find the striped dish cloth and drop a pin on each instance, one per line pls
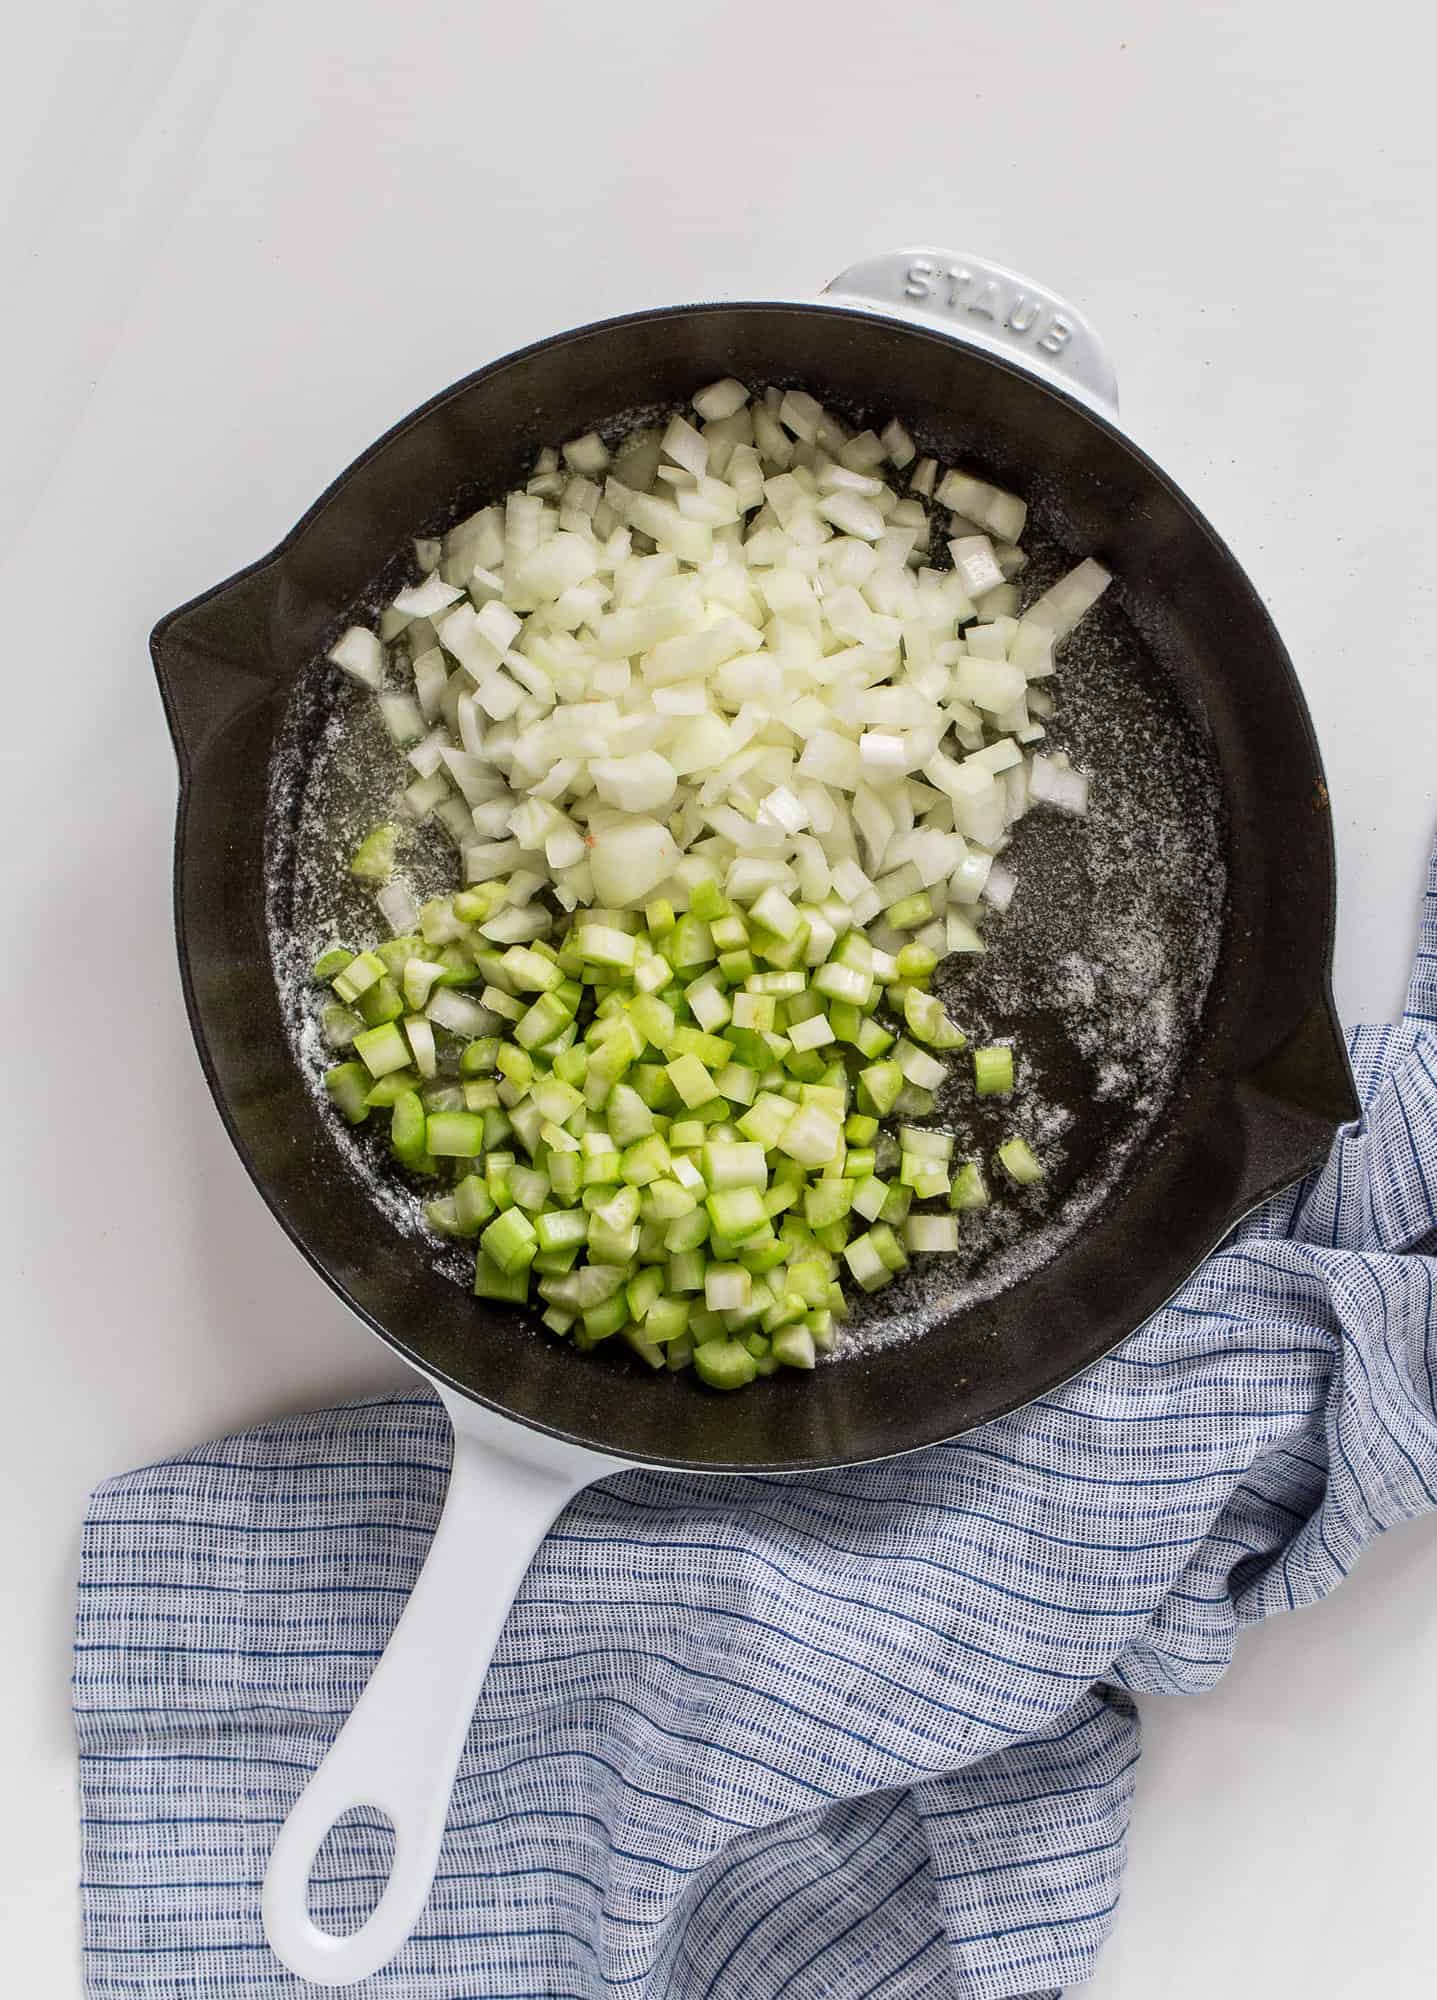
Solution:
(864, 1733)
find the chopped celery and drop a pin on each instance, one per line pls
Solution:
(382, 1049)
(1019, 1162)
(993, 1071)
(373, 859)
(724, 1364)
(492, 1282)
(685, 1126)
(348, 1085)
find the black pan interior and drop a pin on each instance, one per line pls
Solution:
(1218, 733)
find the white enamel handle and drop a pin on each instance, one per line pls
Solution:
(400, 1748)
(991, 307)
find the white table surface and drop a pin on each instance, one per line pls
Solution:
(241, 240)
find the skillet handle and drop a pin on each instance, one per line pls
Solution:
(400, 1748)
(213, 659)
(985, 305)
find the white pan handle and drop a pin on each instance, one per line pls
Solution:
(988, 306)
(400, 1748)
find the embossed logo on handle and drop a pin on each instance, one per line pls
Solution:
(961, 291)
(986, 305)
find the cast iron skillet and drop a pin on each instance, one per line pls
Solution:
(1266, 1082)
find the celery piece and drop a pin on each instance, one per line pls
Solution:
(456, 967)
(928, 1020)
(385, 1089)
(443, 1216)
(794, 1347)
(530, 972)
(381, 1002)
(382, 1049)
(340, 1025)
(820, 1325)
(882, 1081)
(557, 1320)
(726, 1287)
(711, 1050)
(516, 1065)
(707, 900)
(1018, 1160)
(827, 1201)
(686, 1271)
(687, 1232)
(759, 1254)
(554, 1263)
(916, 961)
(969, 1187)
(627, 1116)
(777, 985)
(348, 1084)
(811, 1137)
(652, 1085)
(478, 1058)
(541, 1022)
(600, 944)
(729, 933)
(842, 985)
(659, 916)
(724, 1364)
(736, 1212)
(739, 1165)
(679, 1353)
(666, 1319)
(641, 1293)
(358, 976)
(473, 1204)
(665, 1201)
(477, 904)
(888, 1247)
(755, 1011)
(645, 1161)
(491, 1281)
(896, 1204)
(510, 1241)
(455, 1135)
(603, 1320)
(865, 1264)
(737, 1082)
(807, 1280)
(858, 1163)
(645, 1349)
(529, 1187)
(408, 1128)
(572, 1064)
(691, 944)
(736, 966)
(330, 963)
(691, 1080)
(993, 1071)
(766, 1119)
(565, 1176)
(909, 913)
(373, 859)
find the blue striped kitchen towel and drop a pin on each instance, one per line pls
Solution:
(868, 1733)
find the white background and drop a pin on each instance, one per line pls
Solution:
(241, 240)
